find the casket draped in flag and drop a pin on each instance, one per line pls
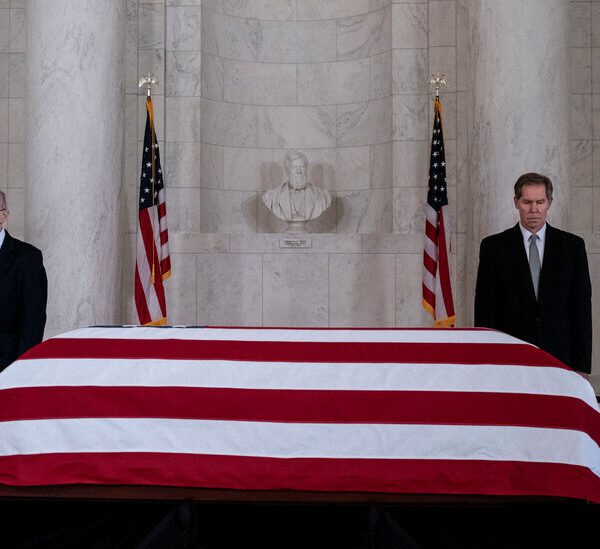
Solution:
(405, 411)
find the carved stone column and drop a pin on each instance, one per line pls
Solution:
(518, 110)
(74, 155)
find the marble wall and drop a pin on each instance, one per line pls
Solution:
(243, 81)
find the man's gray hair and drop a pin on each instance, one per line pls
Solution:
(291, 156)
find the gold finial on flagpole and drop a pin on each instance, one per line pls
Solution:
(438, 80)
(147, 81)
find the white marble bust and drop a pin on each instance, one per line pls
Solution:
(297, 200)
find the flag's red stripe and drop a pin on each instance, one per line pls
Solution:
(147, 235)
(430, 263)
(141, 305)
(429, 296)
(431, 232)
(292, 351)
(300, 406)
(309, 474)
(445, 283)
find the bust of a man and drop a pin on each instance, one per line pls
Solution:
(296, 199)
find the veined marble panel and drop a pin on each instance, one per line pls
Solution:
(184, 118)
(365, 211)
(442, 23)
(410, 73)
(581, 116)
(16, 165)
(362, 289)
(392, 243)
(318, 9)
(411, 163)
(332, 83)
(595, 116)
(297, 42)
(409, 25)
(131, 161)
(4, 74)
(228, 211)
(18, 31)
(596, 70)
(581, 24)
(229, 123)
(131, 47)
(365, 35)
(581, 70)
(17, 72)
(151, 26)
(231, 37)
(182, 164)
(296, 127)
(281, 10)
(581, 163)
(351, 167)
(180, 290)
(364, 123)
(183, 207)
(409, 311)
(382, 162)
(184, 73)
(295, 290)
(582, 212)
(4, 31)
(462, 49)
(596, 164)
(595, 24)
(184, 30)
(3, 166)
(213, 75)
(411, 117)
(3, 119)
(199, 243)
(250, 169)
(259, 83)
(409, 209)
(229, 290)
(212, 166)
(17, 119)
(381, 75)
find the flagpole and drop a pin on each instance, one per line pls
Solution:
(149, 80)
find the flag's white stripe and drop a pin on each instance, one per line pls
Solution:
(301, 376)
(429, 280)
(431, 215)
(431, 249)
(300, 440)
(310, 336)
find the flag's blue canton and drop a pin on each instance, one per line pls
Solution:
(437, 195)
(150, 183)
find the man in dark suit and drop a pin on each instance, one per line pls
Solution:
(23, 292)
(533, 280)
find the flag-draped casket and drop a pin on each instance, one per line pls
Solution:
(390, 411)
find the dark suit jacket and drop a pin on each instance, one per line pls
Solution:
(23, 293)
(560, 320)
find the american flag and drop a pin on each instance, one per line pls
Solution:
(437, 289)
(153, 263)
(421, 411)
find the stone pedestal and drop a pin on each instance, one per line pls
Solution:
(74, 155)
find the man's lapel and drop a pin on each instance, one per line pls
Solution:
(518, 256)
(6, 253)
(551, 258)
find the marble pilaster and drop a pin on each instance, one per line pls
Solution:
(74, 155)
(519, 109)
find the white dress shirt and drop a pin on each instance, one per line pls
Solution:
(2, 234)
(540, 242)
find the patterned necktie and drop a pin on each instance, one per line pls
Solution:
(534, 262)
